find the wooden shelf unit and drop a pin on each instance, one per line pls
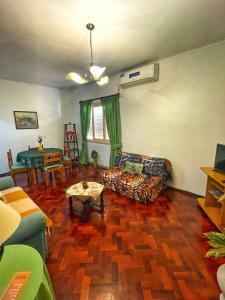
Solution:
(210, 204)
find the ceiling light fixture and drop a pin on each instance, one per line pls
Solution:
(95, 72)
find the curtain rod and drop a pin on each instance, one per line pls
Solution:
(117, 94)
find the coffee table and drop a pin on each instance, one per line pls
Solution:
(90, 198)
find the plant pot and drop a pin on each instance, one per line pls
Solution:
(41, 148)
(220, 275)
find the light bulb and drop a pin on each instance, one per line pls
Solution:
(97, 72)
(76, 77)
(103, 80)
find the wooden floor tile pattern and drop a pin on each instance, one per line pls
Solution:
(133, 251)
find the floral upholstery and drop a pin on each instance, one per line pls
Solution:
(144, 188)
(108, 177)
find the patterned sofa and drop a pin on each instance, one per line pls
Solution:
(143, 188)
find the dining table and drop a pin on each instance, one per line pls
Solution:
(33, 159)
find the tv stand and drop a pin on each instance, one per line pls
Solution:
(214, 190)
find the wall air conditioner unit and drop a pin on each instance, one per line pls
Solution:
(139, 75)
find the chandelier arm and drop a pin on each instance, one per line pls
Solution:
(91, 48)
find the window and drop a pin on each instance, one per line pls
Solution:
(98, 132)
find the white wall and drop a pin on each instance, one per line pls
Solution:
(52, 106)
(181, 117)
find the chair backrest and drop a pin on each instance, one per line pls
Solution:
(10, 159)
(52, 158)
(32, 148)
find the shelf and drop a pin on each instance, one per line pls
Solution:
(215, 175)
(214, 213)
(215, 195)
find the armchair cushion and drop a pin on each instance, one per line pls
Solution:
(31, 232)
(6, 183)
(28, 227)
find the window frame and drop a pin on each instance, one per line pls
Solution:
(96, 140)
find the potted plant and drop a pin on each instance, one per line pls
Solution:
(94, 156)
(217, 241)
(40, 142)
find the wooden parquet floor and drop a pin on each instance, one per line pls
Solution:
(133, 251)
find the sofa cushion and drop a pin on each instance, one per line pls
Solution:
(22, 203)
(28, 227)
(127, 183)
(108, 177)
(6, 183)
(126, 156)
(112, 173)
(134, 168)
(148, 190)
(131, 180)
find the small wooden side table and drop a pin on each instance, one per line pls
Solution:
(89, 198)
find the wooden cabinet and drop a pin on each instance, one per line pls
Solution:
(214, 190)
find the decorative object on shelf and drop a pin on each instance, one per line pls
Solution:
(85, 185)
(94, 156)
(40, 142)
(94, 73)
(26, 119)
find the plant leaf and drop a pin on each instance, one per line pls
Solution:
(216, 252)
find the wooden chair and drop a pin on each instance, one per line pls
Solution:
(67, 162)
(52, 163)
(17, 168)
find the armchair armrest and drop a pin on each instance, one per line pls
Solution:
(28, 227)
(6, 183)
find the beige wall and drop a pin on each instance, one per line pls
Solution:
(52, 105)
(180, 117)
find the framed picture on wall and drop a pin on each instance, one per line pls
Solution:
(26, 119)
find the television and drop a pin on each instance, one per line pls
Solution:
(220, 158)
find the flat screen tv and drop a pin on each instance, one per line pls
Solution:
(220, 158)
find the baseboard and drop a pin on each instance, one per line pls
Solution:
(186, 193)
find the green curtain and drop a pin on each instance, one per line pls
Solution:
(111, 109)
(85, 116)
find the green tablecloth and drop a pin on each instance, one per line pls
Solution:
(34, 158)
(21, 258)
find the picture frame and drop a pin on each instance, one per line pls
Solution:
(26, 119)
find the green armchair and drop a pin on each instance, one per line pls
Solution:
(31, 230)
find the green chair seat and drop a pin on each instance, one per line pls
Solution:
(17, 166)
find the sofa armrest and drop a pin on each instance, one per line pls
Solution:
(28, 227)
(6, 183)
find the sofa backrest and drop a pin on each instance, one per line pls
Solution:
(153, 166)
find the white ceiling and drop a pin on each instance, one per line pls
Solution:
(42, 40)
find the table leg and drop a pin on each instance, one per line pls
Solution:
(34, 176)
(71, 204)
(102, 202)
(85, 212)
